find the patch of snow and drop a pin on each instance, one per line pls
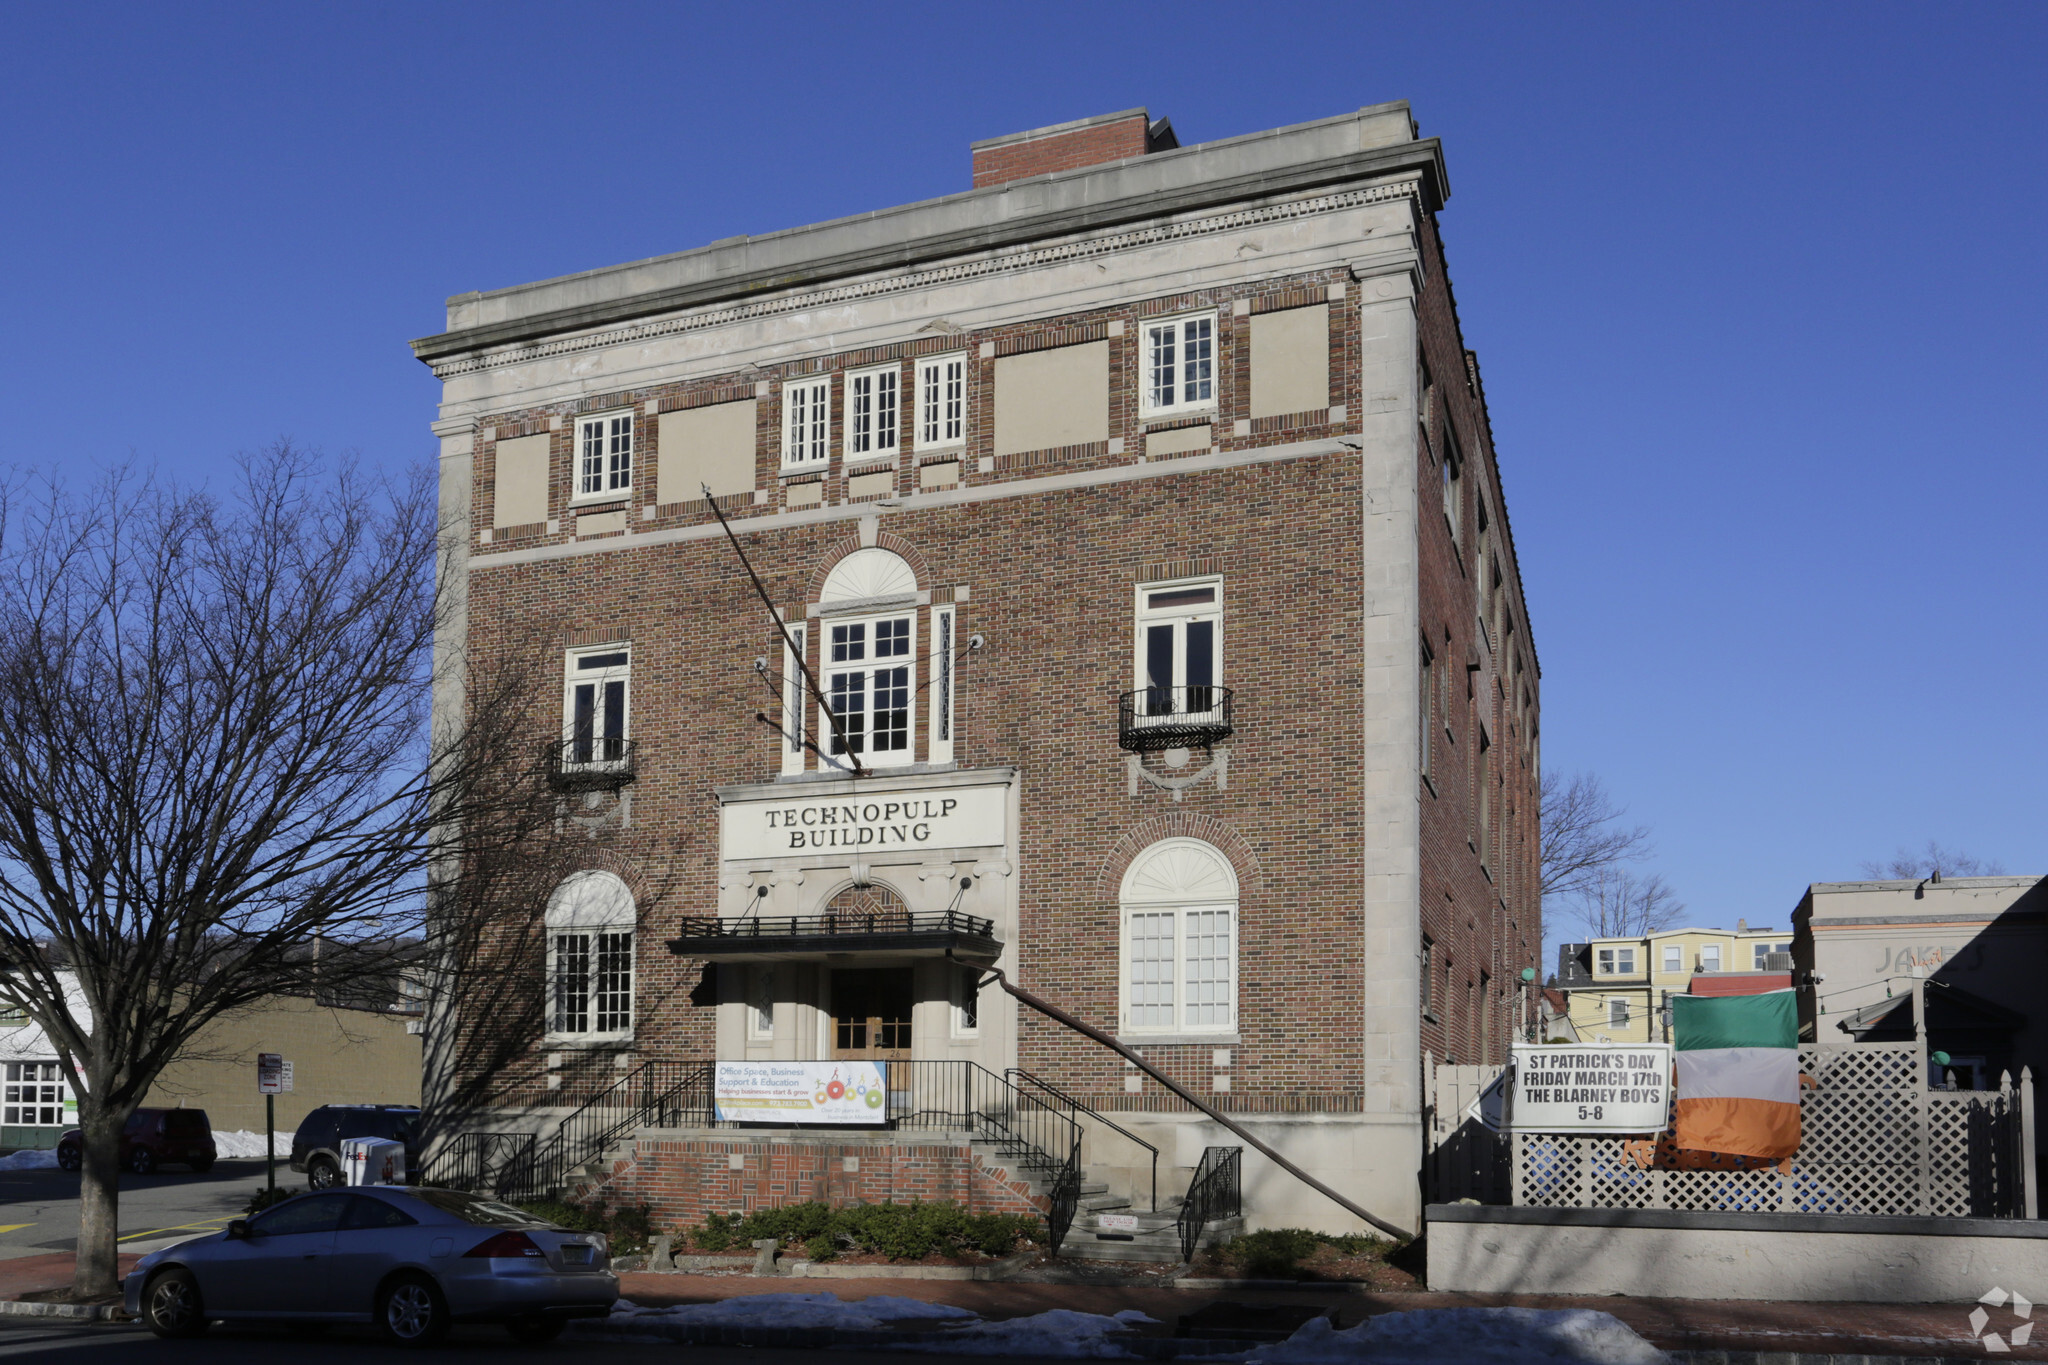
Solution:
(1059, 1332)
(241, 1142)
(794, 1310)
(1469, 1336)
(39, 1160)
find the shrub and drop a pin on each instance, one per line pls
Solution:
(900, 1232)
(628, 1229)
(1275, 1253)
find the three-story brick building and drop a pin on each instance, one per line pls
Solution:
(1149, 626)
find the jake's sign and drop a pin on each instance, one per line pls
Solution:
(870, 822)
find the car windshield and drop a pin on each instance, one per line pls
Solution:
(470, 1208)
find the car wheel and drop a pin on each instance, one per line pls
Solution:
(411, 1312)
(142, 1161)
(203, 1165)
(535, 1331)
(322, 1173)
(70, 1158)
(171, 1306)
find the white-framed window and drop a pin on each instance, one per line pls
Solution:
(966, 1003)
(869, 676)
(590, 923)
(1710, 957)
(604, 456)
(1179, 943)
(794, 706)
(1425, 705)
(1177, 659)
(939, 738)
(761, 1003)
(1763, 952)
(806, 422)
(1674, 957)
(941, 401)
(874, 412)
(1617, 961)
(596, 706)
(32, 1095)
(1179, 365)
(1452, 473)
(1617, 1011)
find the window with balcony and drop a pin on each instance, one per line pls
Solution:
(873, 412)
(1179, 951)
(941, 401)
(604, 457)
(596, 744)
(590, 923)
(869, 677)
(1180, 364)
(1178, 665)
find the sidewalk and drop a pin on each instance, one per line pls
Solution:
(21, 1275)
(1921, 1330)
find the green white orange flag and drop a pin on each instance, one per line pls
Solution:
(1737, 1059)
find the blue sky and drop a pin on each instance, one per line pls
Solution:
(1758, 290)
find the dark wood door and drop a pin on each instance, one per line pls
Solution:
(871, 1014)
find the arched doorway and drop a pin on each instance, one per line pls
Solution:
(871, 1006)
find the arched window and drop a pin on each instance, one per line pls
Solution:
(1179, 959)
(590, 921)
(867, 659)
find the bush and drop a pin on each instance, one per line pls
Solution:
(628, 1229)
(265, 1197)
(900, 1232)
(1275, 1253)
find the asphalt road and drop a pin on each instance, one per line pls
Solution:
(105, 1344)
(39, 1209)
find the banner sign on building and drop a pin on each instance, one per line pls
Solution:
(1618, 1088)
(801, 1092)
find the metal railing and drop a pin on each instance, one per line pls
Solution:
(589, 763)
(1033, 1132)
(1026, 1082)
(1154, 718)
(483, 1163)
(836, 924)
(1213, 1193)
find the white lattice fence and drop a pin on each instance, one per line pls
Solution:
(1873, 1140)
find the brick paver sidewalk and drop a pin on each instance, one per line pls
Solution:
(21, 1275)
(1674, 1324)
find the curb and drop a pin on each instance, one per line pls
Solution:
(1705, 1357)
(72, 1312)
(865, 1339)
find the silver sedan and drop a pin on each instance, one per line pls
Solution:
(411, 1261)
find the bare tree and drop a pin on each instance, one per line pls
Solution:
(1615, 903)
(1583, 837)
(1933, 861)
(215, 747)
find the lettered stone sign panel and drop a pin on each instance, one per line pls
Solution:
(861, 825)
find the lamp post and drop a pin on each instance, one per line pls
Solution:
(1529, 1011)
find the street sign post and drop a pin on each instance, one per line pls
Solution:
(273, 1075)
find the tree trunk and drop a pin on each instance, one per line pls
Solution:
(99, 1205)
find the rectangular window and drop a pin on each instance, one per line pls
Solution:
(1625, 961)
(1179, 653)
(32, 1096)
(1451, 472)
(1484, 805)
(966, 1003)
(1181, 970)
(1674, 958)
(592, 977)
(806, 422)
(1428, 977)
(1426, 711)
(1710, 957)
(868, 668)
(761, 1003)
(604, 456)
(596, 720)
(1617, 1012)
(939, 743)
(1179, 365)
(793, 705)
(941, 401)
(872, 412)
(1764, 951)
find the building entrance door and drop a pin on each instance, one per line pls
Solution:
(871, 1014)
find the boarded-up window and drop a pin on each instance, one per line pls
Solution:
(1049, 399)
(522, 493)
(699, 446)
(1291, 361)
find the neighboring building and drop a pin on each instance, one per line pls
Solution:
(1979, 943)
(36, 1103)
(1138, 512)
(1618, 986)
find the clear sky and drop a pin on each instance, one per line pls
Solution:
(1758, 292)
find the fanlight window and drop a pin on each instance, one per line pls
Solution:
(1179, 970)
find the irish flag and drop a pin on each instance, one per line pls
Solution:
(1738, 1073)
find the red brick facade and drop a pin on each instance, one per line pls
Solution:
(1037, 154)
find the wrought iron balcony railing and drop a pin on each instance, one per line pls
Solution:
(1155, 718)
(590, 763)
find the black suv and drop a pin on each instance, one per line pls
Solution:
(316, 1146)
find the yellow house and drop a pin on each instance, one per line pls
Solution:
(1618, 985)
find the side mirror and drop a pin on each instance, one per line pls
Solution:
(239, 1229)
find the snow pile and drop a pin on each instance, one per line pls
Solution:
(1058, 1332)
(240, 1142)
(793, 1310)
(30, 1161)
(1469, 1336)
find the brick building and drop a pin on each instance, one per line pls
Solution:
(1136, 515)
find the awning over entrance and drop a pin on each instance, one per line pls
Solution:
(901, 933)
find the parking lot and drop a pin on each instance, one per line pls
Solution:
(39, 1209)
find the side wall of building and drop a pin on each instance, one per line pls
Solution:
(338, 1056)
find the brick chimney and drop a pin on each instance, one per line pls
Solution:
(1068, 146)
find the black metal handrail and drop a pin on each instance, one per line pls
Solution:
(1154, 718)
(484, 1163)
(1020, 1078)
(588, 763)
(1213, 1193)
(840, 923)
